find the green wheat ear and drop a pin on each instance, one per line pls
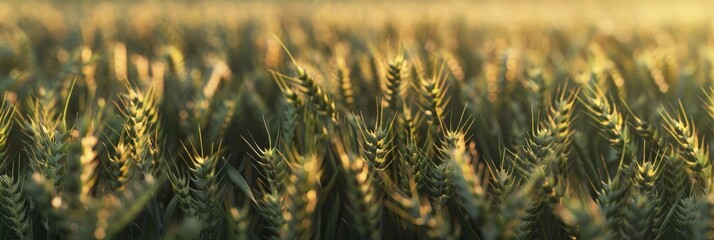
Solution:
(15, 209)
(648, 132)
(239, 222)
(301, 199)
(612, 200)
(639, 217)
(48, 147)
(291, 111)
(182, 191)
(376, 145)
(320, 100)
(204, 188)
(690, 145)
(393, 89)
(608, 120)
(433, 98)
(468, 186)
(119, 168)
(549, 143)
(363, 200)
(271, 162)
(142, 125)
(275, 171)
(586, 217)
(509, 202)
(416, 165)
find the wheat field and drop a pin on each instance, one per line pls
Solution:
(356, 120)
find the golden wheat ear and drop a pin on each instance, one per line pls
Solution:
(301, 199)
(363, 200)
(7, 113)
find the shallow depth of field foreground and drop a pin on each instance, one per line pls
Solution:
(357, 120)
